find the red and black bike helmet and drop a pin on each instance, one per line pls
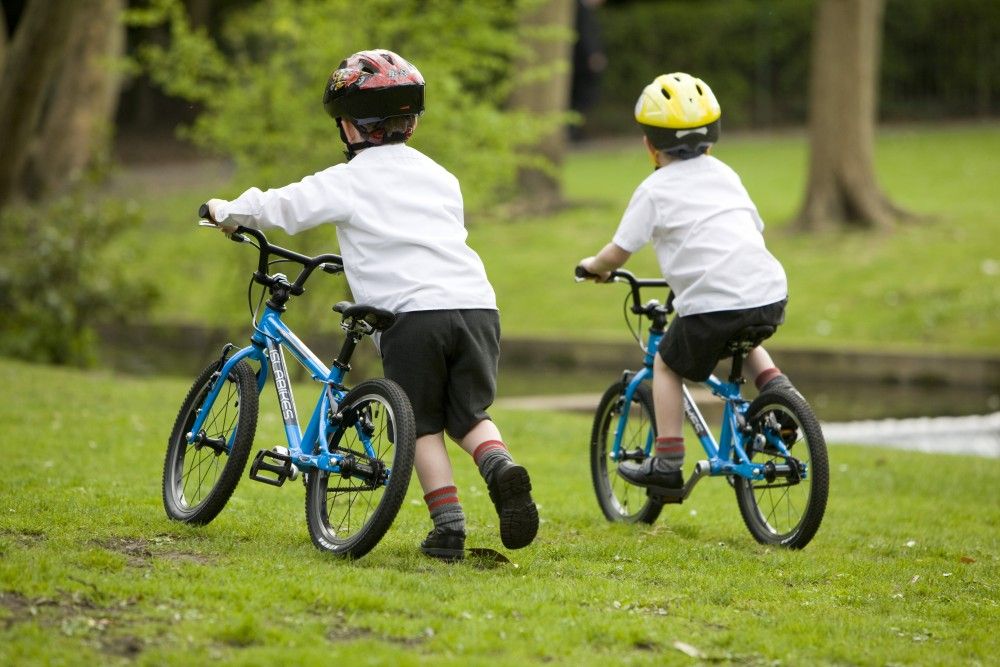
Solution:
(370, 86)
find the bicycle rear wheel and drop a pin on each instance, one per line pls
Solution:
(199, 477)
(349, 512)
(788, 510)
(619, 500)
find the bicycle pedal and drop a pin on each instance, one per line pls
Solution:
(273, 466)
(666, 495)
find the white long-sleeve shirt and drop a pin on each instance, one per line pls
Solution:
(706, 233)
(400, 224)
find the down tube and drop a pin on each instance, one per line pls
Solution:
(286, 402)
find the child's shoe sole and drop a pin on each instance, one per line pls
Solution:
(511, 494)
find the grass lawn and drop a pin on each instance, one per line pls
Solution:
(929, 285)
(903, 571)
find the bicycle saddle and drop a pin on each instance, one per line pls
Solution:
(379, 318)
(750, 337)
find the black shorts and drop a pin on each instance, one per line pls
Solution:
(694, 344)
(446, 362)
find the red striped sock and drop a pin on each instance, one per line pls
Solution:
(487, 447)
(489, 456)
(442, 496)
(671, 450)
(445, 509)
(766, 376)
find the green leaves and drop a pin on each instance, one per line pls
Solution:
(261, 84)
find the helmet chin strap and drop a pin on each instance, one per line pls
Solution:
(352, 148)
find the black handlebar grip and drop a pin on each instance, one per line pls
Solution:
(203, 212)
(581, 272)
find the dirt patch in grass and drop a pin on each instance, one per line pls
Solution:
(139, 551)
(342, 632)
(24, 538)
(77, 616)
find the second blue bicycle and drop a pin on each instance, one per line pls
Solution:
(771, 450)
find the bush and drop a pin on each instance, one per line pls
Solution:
(57, 281)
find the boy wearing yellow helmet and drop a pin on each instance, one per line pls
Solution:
(706, 233)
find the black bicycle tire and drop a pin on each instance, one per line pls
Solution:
(404, 445)
(246, 425)
(600, 442)
(809, 522)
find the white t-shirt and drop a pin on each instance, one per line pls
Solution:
(706, 233)
(400, 224)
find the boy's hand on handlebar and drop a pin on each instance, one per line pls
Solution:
(585, 271)
(208, 211)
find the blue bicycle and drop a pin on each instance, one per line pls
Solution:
(356, 453)
(770, 450)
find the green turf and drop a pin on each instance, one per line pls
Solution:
(903, 571)
(928, 285)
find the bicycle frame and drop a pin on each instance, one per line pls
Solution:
(725, 457)
(271, 336)
(269, 340)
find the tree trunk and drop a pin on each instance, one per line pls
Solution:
(3, 38)
(77, 124)
(843, 94)
(33, 57)
(538, 187)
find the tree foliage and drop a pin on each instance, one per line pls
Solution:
(260, 84)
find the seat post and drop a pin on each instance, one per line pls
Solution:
(736, 374)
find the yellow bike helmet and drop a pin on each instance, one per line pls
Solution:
(679, 114)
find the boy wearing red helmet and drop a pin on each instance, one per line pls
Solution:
(706, 233)
(400, 224)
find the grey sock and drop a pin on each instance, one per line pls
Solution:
(489, 456)
(446, 511)
(671, 452)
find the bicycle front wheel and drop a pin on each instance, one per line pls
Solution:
(620, 500)
(349, 512)
(199, 477)
(787, 510)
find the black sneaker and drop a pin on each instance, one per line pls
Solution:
(510, 491)
(651, 472)
(444, 543)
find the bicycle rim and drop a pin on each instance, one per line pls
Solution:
(784, 512)
(199, 479)
(348, 514)
(619, 500)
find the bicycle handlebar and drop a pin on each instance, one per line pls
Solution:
(635, 284)
(329, 262)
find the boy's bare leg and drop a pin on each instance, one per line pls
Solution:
(668, 400)
(760, 367)
(482, 432)
(432, 463)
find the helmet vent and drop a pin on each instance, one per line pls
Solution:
(665, 92)
(698, 88)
